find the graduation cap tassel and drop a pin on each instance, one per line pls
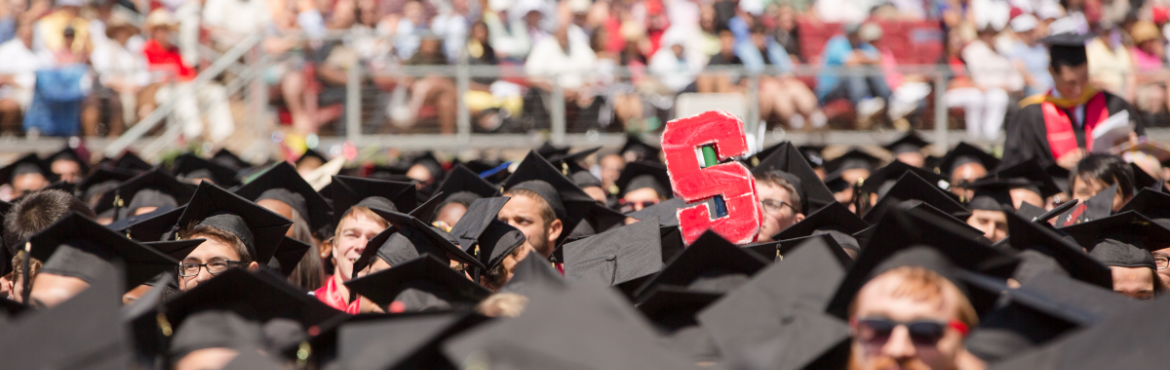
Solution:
(25, 275)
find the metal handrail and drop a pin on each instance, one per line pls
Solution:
(150, 121)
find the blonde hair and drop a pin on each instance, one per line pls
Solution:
(362, 211)
(921, 284)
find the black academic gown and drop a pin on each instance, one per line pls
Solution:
(1027, 136)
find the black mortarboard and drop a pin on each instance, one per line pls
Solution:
(258, 228)
(6, 251)
(812, 153)
(413, 238)
(1122, 251)
(479, 233)
(1097, 207)
(491, 170)
(533, 273)
(29, 163)
(1027, 235)
(310, 153)
(853, 159)
(570, 164)
(938, 245)
(964, 153)
(462, 182)
(621, 255)
(283, 183)
(79, 247)
(910, 142)
(1037, 214)
(1122, 224)
(288, 255)
(159, 190)
(1142, 180)
(68, 154)
(149, 227)
(883, 179)
(832, 217)
(640, 175)
(1126, 342)
(537, 175)
(401, 341)
(422, 284)
(176, 249)
(1150, 203)
(991, 195)
(1029, 175)
(548, 150)
(215, 328)
(710, 265)
(672, 311)
(911, 186)
(101, 181)
(830, 240)
(368, 254)
(596, 218)
(766, 305)
(189, 166)
(586, 327)
(1067, 48)
(786, 158)
(666, 212)
(1037, 313)
(641, 150)
(84, 332)
(387, 195)
(226, 158)
(132, 162)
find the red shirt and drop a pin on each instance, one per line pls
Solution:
(167, 59)
(330, 295)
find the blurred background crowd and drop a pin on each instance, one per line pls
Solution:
(97, 67)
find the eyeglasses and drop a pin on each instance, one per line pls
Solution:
(774, 206)
(1162, 262)
(922, 332)
(627, 207)
(187, 269)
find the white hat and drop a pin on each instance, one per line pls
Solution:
(580, 6)
(1023, 23)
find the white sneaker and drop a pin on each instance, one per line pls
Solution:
(869, 107)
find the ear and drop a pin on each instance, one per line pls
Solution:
(554, 231)
(253, 266)
(799, 217)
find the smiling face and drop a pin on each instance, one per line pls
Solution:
(355, 230)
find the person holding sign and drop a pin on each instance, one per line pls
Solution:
(1074, 118)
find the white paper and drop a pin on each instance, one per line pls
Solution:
(1111, 132)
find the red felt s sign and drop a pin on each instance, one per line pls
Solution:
(737, 215)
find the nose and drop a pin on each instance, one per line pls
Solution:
(899, 345)
(203, 275)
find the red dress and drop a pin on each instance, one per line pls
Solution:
(332, 297)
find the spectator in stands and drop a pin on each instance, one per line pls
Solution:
(507, 38)
(230, 21)
(710, 39)
(490, 100)
(1029, 55)
(782, 96)
(786, 34)
(50, 30)
(1148, 53)
(122, 74)
(175, 75)
(17, 76)
(410, 29)
(570, 63)
(1110, 64)
(722, 82)
(859, 78)
(436, 90)
(452, 24)
(993, 75)
(533, 13)
(672, 66)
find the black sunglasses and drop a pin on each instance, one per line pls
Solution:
(922, 332)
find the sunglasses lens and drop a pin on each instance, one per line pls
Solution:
(876, 330)
(926, 332)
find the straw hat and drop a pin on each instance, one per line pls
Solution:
(160, 17)
(119, 21)
(1144, 31)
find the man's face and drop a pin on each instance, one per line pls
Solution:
(638, 199)
(211, 250)
(596, 193)
(1163, 273)
(207, 358)
(914, 159)
(776, 220)
(611, 168)
(69, 170)
(50, 290)
(1083, 189)
(420, 173)
(963, 173)
(1135, 282)
(512, 259)
(523, 213)
(28, 182)
(879, 299)
(450, 213)
(356, 231)
(1021, 195)
(1070, 81)
(993, 224)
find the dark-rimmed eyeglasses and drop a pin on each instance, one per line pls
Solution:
(188, 269)
(1162, 262)
(774, 206)
(877, 330)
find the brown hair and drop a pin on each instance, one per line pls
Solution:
(356, 211)
(221, 236)
(495, 277)
(37, 211)
(774, 179)
(922, 284)
(546, 212)
(309, 274)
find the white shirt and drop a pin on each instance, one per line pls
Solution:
(676, 74)
(240, 17)
(572, 70)
(114, 62)
(20, 61)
